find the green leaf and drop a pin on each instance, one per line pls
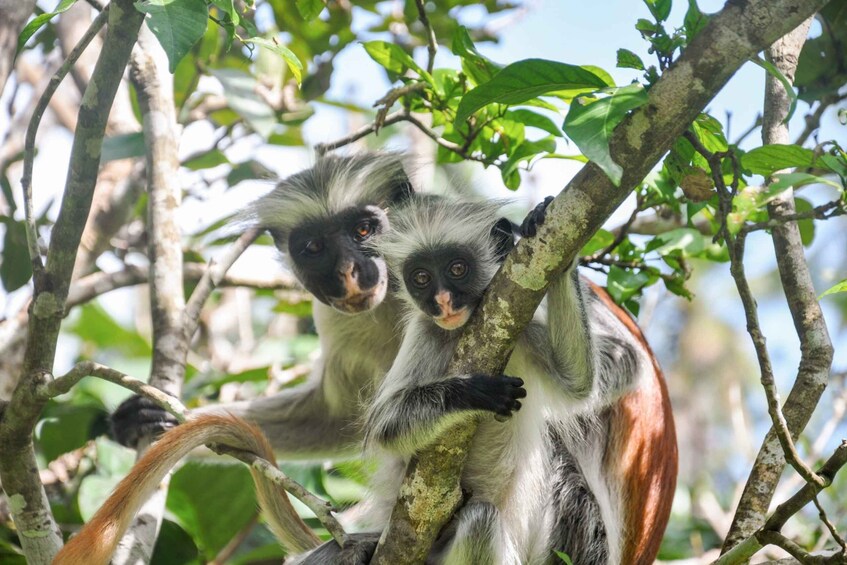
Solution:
(807, 226)
(96, 326)
(590, 125)
(686, 240)
(177, 24)
(660, 9)
(796, 180)
(786, 84)
(623, 285)
(228, 8)
(533, 119)
(38, 22)
(525, 151)
(123, 146)
(15, 267)
(695, 20)
(212, 502)
(294, 64)
(629, 60)
(840, 287)
(240, 94)
(600, 240)
(474, 64)
(768, 159)
(206, 160)
(524, 80)
(564, 557)
(394, 59)
(174, 546)
(310, 9)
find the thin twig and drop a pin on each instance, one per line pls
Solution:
(735, 246)
(431, 41)
(813, 120)
(322, 509)
(364, 131)
(61, 385)
(213, 276)
(829, 525)
(822, 212)
(29, 144)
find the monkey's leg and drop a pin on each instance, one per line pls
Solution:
(476, 529)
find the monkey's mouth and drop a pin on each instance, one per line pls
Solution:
(453, 320)
(360, 301)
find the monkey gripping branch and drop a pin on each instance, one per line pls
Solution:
(430, 492)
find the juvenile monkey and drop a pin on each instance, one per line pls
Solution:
(588, 466)
(96, 542)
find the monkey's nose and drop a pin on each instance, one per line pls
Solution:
(350, 272)
(443, 299)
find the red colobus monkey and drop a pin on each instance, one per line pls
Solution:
(587, 466)
(96, 542)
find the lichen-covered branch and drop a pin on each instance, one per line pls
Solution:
(430, 491)
(39, 534)
(748, 546)
(32, 130)
(61, 385)
(815, 345)
(154, 85)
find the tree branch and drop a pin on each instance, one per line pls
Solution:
(32, 130)
(815, 345)
(40, 536)
(430, 492)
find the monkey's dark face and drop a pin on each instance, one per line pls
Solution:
(332, 261)
(446, 284)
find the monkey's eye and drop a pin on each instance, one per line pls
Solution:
(421, 278)
(313, 247)
(458, 269)
(363, 230)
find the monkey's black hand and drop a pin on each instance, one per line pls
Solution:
(357, 551)
(138, 417)
(535, 218)
(495, 393)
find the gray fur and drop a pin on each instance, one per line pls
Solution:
(540, 474)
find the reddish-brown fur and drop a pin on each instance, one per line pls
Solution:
(97, 540)
(642, 451)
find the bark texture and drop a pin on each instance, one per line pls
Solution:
(430, 492)
(815, 345)
(40, 536)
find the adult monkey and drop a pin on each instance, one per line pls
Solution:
(320, 220)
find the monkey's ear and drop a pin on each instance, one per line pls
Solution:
(504, 239)
(402, 189)
(279, 239)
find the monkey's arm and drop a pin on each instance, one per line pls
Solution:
(97, 540)
(314, 420)
(415, 402)
(592, 352)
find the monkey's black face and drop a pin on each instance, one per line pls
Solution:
(446, 284)
(332, 261)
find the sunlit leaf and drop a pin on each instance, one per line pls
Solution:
(590, 125)
(122, 146)
(310, 9)
(240, 93)
(629, 60)
(39, 21)
(177, 24)
(840, 287)
(527, 79)
(294, 64)
(768, 159)
(392, 57)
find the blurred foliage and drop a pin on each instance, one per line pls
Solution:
(273, 60)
